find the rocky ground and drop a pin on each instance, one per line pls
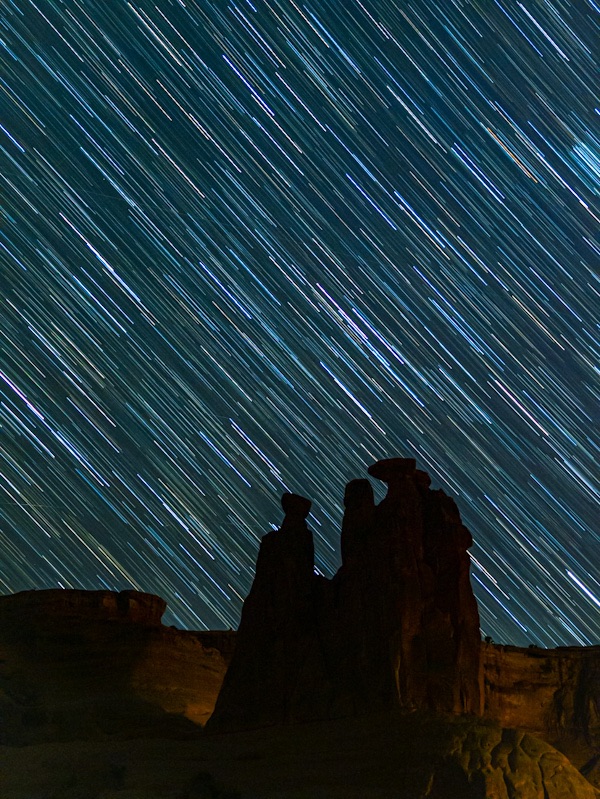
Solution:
(385, 756)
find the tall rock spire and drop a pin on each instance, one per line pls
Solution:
(396, 627)
(276, 626)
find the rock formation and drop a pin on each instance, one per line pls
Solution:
(393, 755)
(87, 664)
(55, 644)
(397, 627)
(382, 664)
(551, 693)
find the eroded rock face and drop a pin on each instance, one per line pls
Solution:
(493, 763)
(397, 627)
(551, 693)
(89, 664)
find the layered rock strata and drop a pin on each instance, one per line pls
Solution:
(89, 664)
(397, 627)
(551, 693)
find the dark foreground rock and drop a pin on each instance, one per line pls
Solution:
(384, 756)
(372, 684)
(64, 679)
(397, 627)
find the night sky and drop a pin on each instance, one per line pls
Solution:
(251, 247)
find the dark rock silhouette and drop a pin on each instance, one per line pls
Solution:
(397, 627)
(383, 664)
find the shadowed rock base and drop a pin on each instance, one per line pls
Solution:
(384, 756)
(70, 642)
(369, 685)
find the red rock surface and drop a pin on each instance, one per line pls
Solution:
(87, 664)
(395, 630)
(551, 693)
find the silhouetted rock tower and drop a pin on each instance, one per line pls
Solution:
(397, 627)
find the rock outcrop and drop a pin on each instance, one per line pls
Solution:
(54, 644)
(392, 755)
(88, 664)
(551, 693)
(397, 627)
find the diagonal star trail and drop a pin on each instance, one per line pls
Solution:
(250, 247)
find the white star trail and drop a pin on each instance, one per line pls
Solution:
(250, 247)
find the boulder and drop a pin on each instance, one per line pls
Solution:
(550, 693)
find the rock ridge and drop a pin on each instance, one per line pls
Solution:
(134, 607)
(83, 665)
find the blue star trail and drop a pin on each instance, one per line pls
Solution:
(250, 247)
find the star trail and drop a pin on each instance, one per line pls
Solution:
(251, 247)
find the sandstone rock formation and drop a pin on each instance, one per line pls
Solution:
(397, 627)
(382, 664)
(551, 693)
(88, 664)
